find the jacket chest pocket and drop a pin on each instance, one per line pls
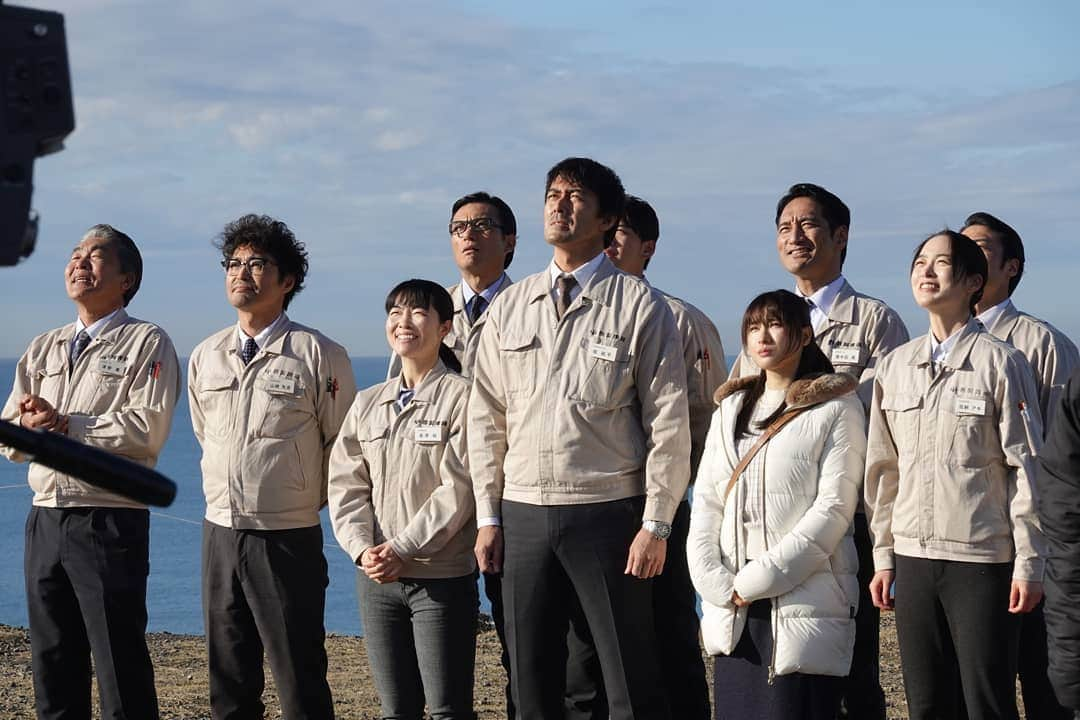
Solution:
(281, 410)
(606, 378)
(975, 441)
(216, 395)
(48, 382)
(904, 413)
(519, 352)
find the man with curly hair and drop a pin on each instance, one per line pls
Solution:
(267, 398)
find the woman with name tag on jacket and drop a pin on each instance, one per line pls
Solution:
(950, 462)
(401, 505)
(770, 548)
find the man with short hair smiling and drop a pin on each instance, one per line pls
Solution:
(1052, 356)
(855, 332)
(268, 396)
(109, 381)
(579, 449)
(674, 598)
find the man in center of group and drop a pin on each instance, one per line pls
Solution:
(267, 398)
(579, 449)
(854, 331)
(674, 598)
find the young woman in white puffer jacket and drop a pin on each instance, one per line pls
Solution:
(773, 558)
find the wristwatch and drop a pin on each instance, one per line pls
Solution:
(660, 529)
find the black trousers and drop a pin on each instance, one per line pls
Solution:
(86, 572)
(556, 556)
(863, 698)
(265, 589)
(678, 646)
(493, 591)
(958, 641)
(1040, 703)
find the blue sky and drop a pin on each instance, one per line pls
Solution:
(360, 123)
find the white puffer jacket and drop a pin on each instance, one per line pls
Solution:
(813, 471)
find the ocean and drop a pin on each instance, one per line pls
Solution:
(173, 591)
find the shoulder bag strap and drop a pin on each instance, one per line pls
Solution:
(770, 431)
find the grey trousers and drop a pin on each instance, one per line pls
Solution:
(86, 574)
(265, 589)
(420, 636)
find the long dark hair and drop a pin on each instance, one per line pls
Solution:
(794, 314)
(426, 294)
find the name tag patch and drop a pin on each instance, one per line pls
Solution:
(428, 434)
(845, 355)
(280, 385)
(603, 352)
(970, 406)
(108, 366)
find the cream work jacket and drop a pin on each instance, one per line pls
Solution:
(403, 477)
(589, 408)
(120, 397)
(950, 459)
(266, 428)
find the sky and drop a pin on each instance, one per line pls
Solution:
(359, 124)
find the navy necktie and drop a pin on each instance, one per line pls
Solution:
(81, 341)
(476, 308)
(250, 348)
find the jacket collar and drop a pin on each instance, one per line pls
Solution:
(843, 307)
(107, 334)
(596, 290)
(804, 392)
(958, 356)
(1005, 322)
(425, 391)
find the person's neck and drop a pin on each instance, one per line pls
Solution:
(943, 325)
(480, 283)
(988, 301)
(253, 323)
(779, 379)
(89, 316)
(570, 258)
(414, 370)
(810, 285)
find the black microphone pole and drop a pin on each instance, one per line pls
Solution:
(91, 465)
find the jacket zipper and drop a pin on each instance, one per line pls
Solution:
(765, 544)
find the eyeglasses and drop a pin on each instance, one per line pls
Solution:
(255, 265)
(481, 225)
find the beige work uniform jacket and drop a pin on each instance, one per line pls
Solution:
(266, 428)
(703, 356)
(403, 477)
(861, 331)
(1051, 354)
(589, 408)
(950, 460)
(120, 397)
(463, 337)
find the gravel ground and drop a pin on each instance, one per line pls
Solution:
(179, 662)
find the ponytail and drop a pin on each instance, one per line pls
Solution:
(449, 359)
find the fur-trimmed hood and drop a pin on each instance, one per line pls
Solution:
(810, 390)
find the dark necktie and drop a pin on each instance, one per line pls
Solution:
(250, 348)
(479, 302)
(404, 397)
(565, 283)
(81, 341)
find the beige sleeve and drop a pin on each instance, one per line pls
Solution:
(335, 395)
(486, 414)
(705, 371)
(21, 386)
(660, 379)
(1021, 439)
(885, 335)
(139, 428)
(881, 480)
(450, 506)
(1062, 358)
(349, 488)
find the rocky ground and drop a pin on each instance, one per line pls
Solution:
(179, 662)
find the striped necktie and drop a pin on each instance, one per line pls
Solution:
(81, 341)
(476, 308)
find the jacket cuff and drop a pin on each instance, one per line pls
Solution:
(487, 507)
(77, 427)
(884, 560)
(1029, 569)
(660, 509)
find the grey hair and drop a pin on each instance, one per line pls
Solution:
(126, 251)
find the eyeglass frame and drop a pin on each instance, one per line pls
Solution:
(465, 225)
(231, 269)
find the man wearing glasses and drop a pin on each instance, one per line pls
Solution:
(267, 398)
(109, 381)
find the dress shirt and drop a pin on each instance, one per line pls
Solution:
(488, 293)
(583, 275)
(92, 330)
(989, 316)
(262, 336)
(822, 301)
